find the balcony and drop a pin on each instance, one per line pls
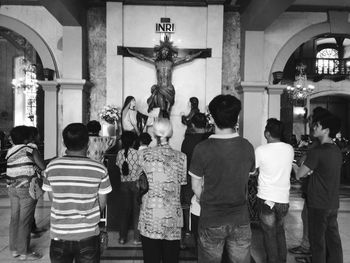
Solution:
(327, 68)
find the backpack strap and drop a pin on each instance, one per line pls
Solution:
(16, 151)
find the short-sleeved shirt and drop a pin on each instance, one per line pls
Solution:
(274, 161)
(161, 212)
(133, 162)
(75, 183)
(19, 164)
(224, 161)
(323, 187)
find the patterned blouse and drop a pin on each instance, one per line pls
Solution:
(98, 146)
(19, 165)
(134, 166)
(161, 212)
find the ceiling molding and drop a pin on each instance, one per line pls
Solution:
(170, 2)
(260, 14)
(20, 2)
(67, 12)
(317, 8)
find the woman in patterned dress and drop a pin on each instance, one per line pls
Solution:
(161, 218)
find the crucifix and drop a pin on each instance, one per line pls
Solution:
(164, 58)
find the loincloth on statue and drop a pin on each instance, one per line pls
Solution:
(162, 97)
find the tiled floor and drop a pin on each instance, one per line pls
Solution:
(130, 253)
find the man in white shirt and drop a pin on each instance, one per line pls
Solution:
(274, 162)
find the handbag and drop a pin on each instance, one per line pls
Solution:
(142, 185)
(35, 190)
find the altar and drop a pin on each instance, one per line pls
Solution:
(193, 28)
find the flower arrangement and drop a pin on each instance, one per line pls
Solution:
(110, 114)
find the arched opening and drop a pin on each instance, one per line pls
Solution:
(327, 61)
(21, 98)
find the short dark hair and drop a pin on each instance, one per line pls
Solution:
(318, 113)
(199, 120)
(93, 127)
(145, 138)
(275, 128)
(33, 132)
(75, 136)
(225, 110)
(331, 122)
(128, 139)
(19, 134)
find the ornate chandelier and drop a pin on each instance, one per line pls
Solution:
(301, 89)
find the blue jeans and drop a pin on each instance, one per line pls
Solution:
(324, 236)
(83, 251)
(235, 238)
(272, 223)
(22, 214)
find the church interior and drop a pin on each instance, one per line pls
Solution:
(64, 61)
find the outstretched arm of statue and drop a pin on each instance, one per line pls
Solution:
(141, 56)
(186, 59)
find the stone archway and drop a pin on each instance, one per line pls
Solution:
(49, 87)
(337, 24)
(46, 55)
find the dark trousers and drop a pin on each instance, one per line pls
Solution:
(160, 250)
(22, 213)
(235, 238)
(304, 218)
(129, 207)
(324, 236)
(83, 251)
(272, 223)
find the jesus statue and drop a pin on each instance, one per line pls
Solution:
(163, 93)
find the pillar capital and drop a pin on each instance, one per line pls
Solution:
(252, 86)
(276, 89)
(72, 83)
(48, 85)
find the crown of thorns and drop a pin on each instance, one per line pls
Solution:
(166, 44)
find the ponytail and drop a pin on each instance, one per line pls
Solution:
(125, 165)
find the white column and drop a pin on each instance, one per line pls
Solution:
(254, 51)
(71, 91)
(70, 104)
(275, 91)
(114, 63)
(19, 107)
(72, 63)
(254, 112)
(50, 118)
(214, 41)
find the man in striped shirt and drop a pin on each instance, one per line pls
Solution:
(78, 188)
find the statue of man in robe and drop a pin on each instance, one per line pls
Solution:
(163, 93)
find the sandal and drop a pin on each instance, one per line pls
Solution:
(303, 259)
(30, 257)
(299, 250)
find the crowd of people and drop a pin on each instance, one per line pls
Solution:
(200, 190)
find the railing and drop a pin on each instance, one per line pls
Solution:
(327, 67)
